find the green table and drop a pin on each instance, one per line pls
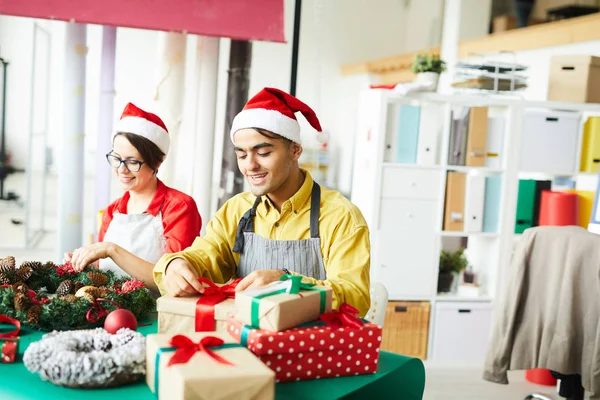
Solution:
(398, 377)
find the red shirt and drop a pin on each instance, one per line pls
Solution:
(180, 216)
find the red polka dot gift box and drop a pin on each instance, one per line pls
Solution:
(335, 346)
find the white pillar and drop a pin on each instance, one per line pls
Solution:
(450, 39)
(207, 65)
(169, 93)
(71, 163)
(105, 121)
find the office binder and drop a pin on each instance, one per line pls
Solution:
(454, 208)
(586, 204)
(494, 145)
(459, 136)
(430, 129)
(594, 225)
(491, 203)
(590, 147)
(477, 137)
(540, 186)
(408, 134)
(474, 203)
(525, 205)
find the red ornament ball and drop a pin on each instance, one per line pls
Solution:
(118, 319)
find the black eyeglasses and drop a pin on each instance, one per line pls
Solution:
(131, 165)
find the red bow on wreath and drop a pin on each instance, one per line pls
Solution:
(12, 334)
(345, 316)
(97, 312)
(205, 306)
(186, 348)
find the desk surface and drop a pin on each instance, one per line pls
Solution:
(397, 377)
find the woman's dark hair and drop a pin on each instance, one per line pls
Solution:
(151, 154)
(272, 135)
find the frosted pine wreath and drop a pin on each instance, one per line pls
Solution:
(50, 297)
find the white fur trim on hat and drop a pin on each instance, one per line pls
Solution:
(270, 120)
(141, 126)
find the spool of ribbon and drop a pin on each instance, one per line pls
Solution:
(8, 349)
(344, 317)
(97, 312)
(8, 320)
(290, 284)
(205, 306)
(185, 348)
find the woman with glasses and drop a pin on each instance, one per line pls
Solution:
(150, 219)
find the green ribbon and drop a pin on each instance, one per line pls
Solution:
(163, 350)
(296, 285)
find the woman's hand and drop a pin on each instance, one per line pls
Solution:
(86, 255)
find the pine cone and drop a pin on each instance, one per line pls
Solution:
(78, 285)
(65, 287)
(7, 264)
(69, 298)
(89, 297)
(4, 280)
(21, 302)
(24, 272)
(31, 264)
(20, 287)
(97, 278)
(48, 265)
(33, 315)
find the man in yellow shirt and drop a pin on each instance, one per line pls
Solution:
(287, 224)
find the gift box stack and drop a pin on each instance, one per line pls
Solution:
(290, 327)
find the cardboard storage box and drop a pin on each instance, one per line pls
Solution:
(574, 78)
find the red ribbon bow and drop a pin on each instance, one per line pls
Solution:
(97, 312)
(186, 348)
(205, 306)
(345, 316)
(8, 320)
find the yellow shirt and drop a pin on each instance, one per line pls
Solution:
(344, 234)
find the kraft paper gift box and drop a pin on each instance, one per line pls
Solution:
(314, 350)
(225, 371)
(282, 304)
(178, 314)
(207, 312)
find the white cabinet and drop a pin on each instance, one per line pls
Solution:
(406, 249)
(461, 331)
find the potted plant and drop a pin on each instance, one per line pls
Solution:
(451, 263)
(428, 68)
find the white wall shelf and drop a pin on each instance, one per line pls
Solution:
(404, 203)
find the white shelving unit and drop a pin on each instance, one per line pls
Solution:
(404, 208)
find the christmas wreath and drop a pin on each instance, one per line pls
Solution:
(90, 358)
(51, 297)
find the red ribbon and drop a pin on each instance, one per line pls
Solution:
(205, 306)
(97, 312)
(186, 348)
(33, 297)
(14, 333)
(345, 316)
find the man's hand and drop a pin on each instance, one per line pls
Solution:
(86, 255)
(181, 279)
(259, 278)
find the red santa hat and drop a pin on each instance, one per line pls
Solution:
(139, 122)
(273, 110)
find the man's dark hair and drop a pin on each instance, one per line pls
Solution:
(272, 135)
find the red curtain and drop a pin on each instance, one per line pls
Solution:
(236, 19)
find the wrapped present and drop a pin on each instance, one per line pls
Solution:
(207, 312)
(9, 341)
(283, 304)
(340, 344)
(205, 365)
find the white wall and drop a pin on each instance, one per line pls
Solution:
(333, 33)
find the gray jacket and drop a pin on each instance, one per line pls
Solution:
(549, 313)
